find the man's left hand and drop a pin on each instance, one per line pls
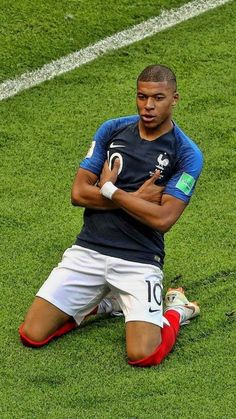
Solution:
(149, 191)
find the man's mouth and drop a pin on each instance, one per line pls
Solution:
(148, 118)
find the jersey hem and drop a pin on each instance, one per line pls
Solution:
(118, 253)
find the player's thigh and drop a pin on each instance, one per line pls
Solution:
(138, 289)
(142, 339)
(72, 289)
(78, 284)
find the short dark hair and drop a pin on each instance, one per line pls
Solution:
(158, 73)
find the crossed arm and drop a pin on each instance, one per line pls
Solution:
(86, 193)
(147, 204)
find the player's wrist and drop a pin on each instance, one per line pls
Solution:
(108, 190)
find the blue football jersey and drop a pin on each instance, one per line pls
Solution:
(114, 232)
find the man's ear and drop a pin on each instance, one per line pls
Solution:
(175, 99)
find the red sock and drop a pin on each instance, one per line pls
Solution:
(168, 335)
(67, 327)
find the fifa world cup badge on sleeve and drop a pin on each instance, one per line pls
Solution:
(185, 183)
(90, 151)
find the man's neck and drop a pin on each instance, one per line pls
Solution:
(151, 134)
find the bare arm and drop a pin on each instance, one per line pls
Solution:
(161, 217)
(85, 193)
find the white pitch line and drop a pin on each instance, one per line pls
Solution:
(136, 33)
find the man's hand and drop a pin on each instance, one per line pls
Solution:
(149, 191)
(108, 175)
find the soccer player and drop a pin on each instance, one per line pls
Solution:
(134, 183)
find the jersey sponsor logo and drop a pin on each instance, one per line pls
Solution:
(112, 145)
(90, 151)
(185, 183)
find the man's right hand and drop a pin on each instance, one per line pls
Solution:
(109, 175)
(149, 191)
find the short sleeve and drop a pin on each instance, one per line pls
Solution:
(189, 165)
(97, 152)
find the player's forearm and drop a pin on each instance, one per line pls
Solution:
(90, 197)
(148, 213)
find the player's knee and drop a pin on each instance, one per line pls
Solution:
(142, 348)
(143, 358)
(32, 335)
(34, 332)
(135, 355)
(146, 362)
(138, 353)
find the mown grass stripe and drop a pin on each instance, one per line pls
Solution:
(136, 33)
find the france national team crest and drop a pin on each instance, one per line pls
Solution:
(162, 162)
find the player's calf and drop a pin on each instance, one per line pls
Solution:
(142, 338)
(45, 322)
(179, 311)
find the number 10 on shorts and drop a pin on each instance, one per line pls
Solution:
(154, 296)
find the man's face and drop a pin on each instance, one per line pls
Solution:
(154, 102)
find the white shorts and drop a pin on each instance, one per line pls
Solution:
(84, 277)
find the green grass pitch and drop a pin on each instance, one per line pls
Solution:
(44, 134)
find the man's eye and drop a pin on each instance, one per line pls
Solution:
(159, 97)
(142, 97)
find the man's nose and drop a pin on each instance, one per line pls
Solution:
(150, 103)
